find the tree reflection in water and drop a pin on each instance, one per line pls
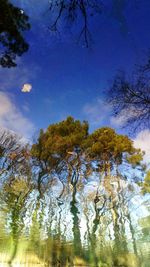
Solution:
(86, 231)
(73, 208)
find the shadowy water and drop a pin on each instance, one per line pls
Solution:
(108, 227)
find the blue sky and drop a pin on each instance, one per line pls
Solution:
(69, 79)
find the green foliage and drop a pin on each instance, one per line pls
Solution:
(58, 140)
(56, 146)
(13, 21)
(17, 188)
(106, 146)
(136, 158)
(67, 150)
(1, 151)
(146, 184)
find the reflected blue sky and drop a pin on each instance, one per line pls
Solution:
(67, 78)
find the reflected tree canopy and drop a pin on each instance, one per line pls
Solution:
(68, 201)
(73, 196)
(13, 22)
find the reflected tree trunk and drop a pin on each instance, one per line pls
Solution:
(133, 235)
(76, 225)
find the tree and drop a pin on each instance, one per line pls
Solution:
(109, 149)
(74, 12)
(13, 21)
(16, 183)
(14, 155)
(130, 97)
(64, 150)
(15, 193)
(78, 14)
(67, 150)
(58, 149)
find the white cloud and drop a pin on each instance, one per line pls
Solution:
(142, 141)
(122, 118)
(97, 111)
(27, 87)
(12, 118)
(119, 120)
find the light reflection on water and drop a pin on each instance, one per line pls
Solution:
(75, 230)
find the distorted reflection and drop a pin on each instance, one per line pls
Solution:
(76, 226)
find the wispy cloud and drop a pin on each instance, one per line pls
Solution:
(142, 141)
(97, 112)
(12, 118)
(25, 107)
(124, 116)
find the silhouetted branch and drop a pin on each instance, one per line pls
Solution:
(13, 21)
(130, 98)
(73, 11)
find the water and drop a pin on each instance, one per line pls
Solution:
(78, 229)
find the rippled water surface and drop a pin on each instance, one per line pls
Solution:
(76, 229)
(78, 193)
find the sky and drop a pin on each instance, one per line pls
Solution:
(58, 77)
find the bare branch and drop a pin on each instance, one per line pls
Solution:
(75, 11)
